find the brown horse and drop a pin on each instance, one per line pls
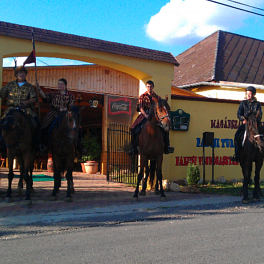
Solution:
(151, 142)
(63, 139)
(19, 133)
(253, 149)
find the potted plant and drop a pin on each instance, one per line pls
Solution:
(94, 149)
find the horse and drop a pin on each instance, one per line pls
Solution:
(20, 134)
(63, 139)
(151, 143)
(253, 150)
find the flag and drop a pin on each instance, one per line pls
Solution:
(31, 58)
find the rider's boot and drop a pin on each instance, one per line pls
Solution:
(133, 151)
(167, 148)
(236, 156)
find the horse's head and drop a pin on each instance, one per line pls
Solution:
(160, 113)
(253, 129)
(73, 120)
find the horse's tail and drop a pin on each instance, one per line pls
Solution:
(152, 173)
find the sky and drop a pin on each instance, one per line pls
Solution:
(166, 25)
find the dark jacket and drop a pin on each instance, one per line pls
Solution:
(246, 107)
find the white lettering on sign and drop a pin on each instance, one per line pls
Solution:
(121, 107)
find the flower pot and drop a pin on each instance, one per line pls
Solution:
(50, 165)
(83, 167)
(91, 167)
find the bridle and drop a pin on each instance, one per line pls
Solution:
(160, 118)
(66, 130)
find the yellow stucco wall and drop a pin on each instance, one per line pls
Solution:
(205, 117)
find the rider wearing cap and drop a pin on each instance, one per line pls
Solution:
(245, 108)
(19, 94)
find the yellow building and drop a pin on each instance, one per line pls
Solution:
(132, 63)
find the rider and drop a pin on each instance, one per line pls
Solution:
(143, 106)
(246, 106)
(58, 100)
(19, 94)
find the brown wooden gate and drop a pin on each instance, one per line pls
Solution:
(120, 166)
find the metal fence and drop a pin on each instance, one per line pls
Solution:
(120, 166)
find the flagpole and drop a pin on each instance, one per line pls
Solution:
(36, 76)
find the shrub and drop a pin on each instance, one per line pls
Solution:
(193, 174)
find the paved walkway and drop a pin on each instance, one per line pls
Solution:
(91, 191)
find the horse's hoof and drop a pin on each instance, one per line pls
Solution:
(9, 199)
(135, 198)
(53, 198)
(27, 202)
(255, 199)
(245, 201)
(19, 191)
(68, 200)
(163, 198)
(157, 192)
(142, 193)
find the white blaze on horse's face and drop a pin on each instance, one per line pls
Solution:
(163, 117)
(73, 127)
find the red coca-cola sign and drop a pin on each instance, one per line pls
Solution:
(119, 106)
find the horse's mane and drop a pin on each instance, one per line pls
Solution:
(57, 122)
(253, 123)
(9, 119)
(161, 103)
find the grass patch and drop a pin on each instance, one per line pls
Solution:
(226, 188)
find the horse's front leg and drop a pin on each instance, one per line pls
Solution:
(27, 180)
(143, 164)
(69, 184)
(247, 169)
(159, 178)
(21, 170)
(56, 176)
(144, 182)
(257, 190)
(10, 179)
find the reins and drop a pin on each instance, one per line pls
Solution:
(162, 117)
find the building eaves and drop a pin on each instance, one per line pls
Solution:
(54, 37)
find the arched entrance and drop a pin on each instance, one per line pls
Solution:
(141, 63)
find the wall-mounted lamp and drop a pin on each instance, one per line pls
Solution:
(93, 103)
(79, 98)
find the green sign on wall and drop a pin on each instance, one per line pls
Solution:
(180, 120)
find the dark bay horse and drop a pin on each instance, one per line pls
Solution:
(151, 143)
(63, 139)
(20, 133)
(253, 150)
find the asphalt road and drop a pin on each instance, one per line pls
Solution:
(213, 229)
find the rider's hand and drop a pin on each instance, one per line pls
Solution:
(244, 121)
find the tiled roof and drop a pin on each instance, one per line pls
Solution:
(54, 37)
(222, 56)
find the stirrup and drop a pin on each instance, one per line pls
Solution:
(234, 158)
(169, 150)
